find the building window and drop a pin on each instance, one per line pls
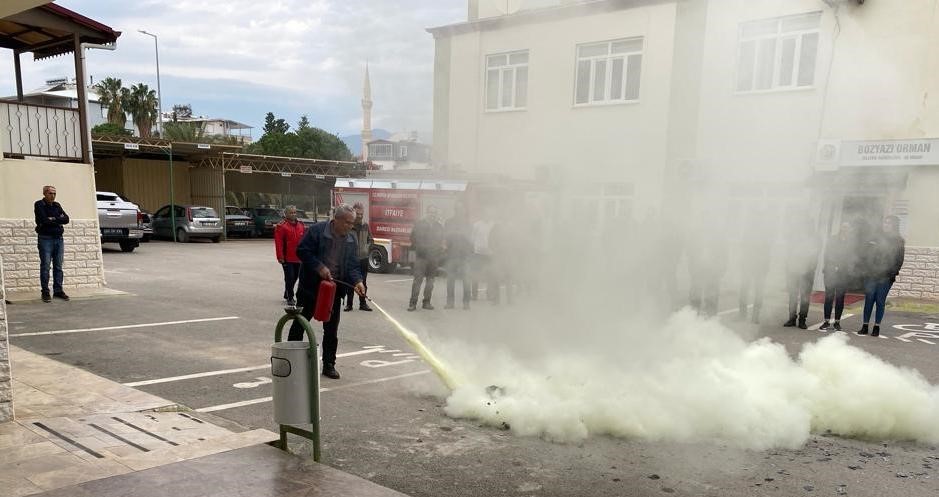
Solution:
(381, 151)
(507, 81)
(404, 151)
(608, 72)
(778, 53)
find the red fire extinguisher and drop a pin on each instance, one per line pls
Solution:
(324, 301)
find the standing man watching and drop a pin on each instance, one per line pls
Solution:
(883, 257)
(801, 262)
(328, 252)
(427, 242)
(287, 235)
(50, 217)
(458, 249)
(363, 238)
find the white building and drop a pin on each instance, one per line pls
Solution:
(817, 103)
(62, 93)
(401, 151)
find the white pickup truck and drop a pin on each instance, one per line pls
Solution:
(119, 221)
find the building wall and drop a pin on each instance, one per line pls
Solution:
(21, 183)
(620, 142)
(147, 182)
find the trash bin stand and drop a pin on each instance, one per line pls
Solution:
(293, 314)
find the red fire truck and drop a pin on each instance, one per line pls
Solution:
(391, 209)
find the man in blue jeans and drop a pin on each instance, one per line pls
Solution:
(49, 221)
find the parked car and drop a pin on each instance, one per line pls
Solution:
(237, 223)
(145, 219)
(304, 218)
(265, 218)
(192, 221)
(119, 221)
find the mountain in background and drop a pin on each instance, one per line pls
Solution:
(354, 142)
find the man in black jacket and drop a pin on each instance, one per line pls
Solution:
(50, 217)
(427, 243)
(328, 251)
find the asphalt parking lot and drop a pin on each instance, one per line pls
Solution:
(196, 328)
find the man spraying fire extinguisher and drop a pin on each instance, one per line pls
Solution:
(328, 251)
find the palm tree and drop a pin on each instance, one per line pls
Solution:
(113, 95)
(142, 105)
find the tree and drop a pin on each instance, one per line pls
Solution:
(113, 95)
(110, 129)
(184, 132)
(142, 105)
(306, 142)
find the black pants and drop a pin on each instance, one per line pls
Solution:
(350, 293)
(752, 281)
(291, 273)
(834, 295)
(800, 289)
(330, 328)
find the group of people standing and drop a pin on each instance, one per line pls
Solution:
(857, 256)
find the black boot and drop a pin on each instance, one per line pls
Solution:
(876, 331)
(863, 330)
(791, 323)
(329, 371)
(802, 325)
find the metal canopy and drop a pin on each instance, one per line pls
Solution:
(319, 168)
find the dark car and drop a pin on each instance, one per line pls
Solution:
(237, 223)
(304, 218)
(265, 218)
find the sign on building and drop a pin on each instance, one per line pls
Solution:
(919, 152)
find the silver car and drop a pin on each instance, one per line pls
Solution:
(192, 221)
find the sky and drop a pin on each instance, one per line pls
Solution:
(240, 59)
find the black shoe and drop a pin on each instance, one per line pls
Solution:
(789, 324)
(329, 371)
(292, 302)
(61, 295)
(824, 326)
(837, 326)
(876, 331)
(364, 307)
(46, 297)
(348, 308)
(802, 325)
(427, 306)
(412, 307)
(863, 330)
(449, 305)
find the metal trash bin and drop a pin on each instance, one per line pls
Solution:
(291, 368)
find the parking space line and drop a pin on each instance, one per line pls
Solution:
(817, 325)
(261, 400)
(926, 341)
(122, 327)
(228, 371)
(399, 281)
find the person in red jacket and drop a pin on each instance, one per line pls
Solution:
(287, 235)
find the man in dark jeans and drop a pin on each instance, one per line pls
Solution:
(287, 235)
(801, 262)
(50, 217)
(458, 249)
(427, 243)
(363, 239)
(328, 252)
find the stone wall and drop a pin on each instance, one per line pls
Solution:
(6, 375)
(83, 264)
(919, 277)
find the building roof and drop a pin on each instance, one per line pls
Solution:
(539, 15)
(48, 31)
(200, 119)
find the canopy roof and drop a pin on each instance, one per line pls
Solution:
(48, 31)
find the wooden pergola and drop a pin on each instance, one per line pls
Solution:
(51, 31)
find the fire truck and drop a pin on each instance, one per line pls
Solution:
(391, 209)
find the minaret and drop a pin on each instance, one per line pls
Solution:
(366, 114)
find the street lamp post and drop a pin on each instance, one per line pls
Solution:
(156, 50)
